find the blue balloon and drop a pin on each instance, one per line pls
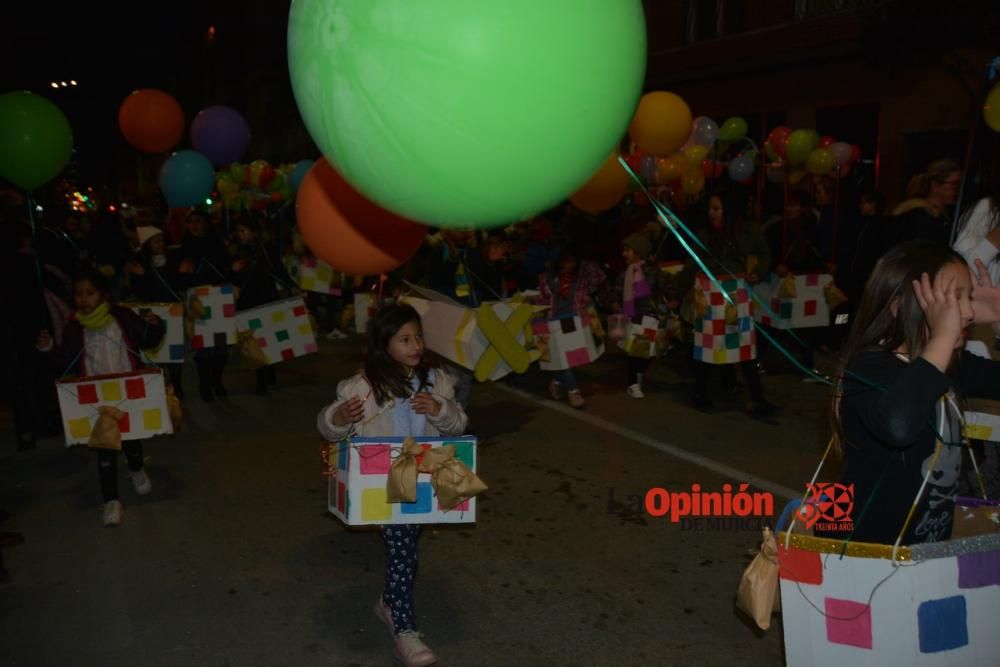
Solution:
(186, 179)
(302, 167)
(221, 134)
(740, 168)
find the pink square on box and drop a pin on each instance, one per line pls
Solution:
(810, 307)
(707, 341)
(848, 622)
(461, 507)
(374, 459)
(812, 279)
(310, 348)
(262, 343)
(577, 357)
(229, 310)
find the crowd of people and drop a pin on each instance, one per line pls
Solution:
(911, 298)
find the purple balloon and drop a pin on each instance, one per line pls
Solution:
(221, 134)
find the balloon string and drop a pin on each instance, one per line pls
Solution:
(38, 260)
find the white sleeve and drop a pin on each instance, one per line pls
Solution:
(324, 421)
(971, 242)
(451, 420)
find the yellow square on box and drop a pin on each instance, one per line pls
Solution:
(152, 419)
(323, 273)
(307, 282)
(111, 391)
(375, 505)
(278, 316)
(720, 356)
(305, 329)
(79, 428)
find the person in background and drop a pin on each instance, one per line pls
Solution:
(926, 213)
(637, 293)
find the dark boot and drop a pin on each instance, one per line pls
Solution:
(204, 364)
(218, 368)
(261, 374)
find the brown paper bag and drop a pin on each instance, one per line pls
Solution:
(401, 483)
(452, 480)
(972, 519)
(700, 303)
(835, 296)
(732, 314)
(106, 433)
(786, 288)
(174, 408)
(757, 595)
(252, 355)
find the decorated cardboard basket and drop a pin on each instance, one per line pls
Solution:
(982, 417)
(357, 488)
(795, 302)
(282, 329)
(315, 275)
(936, 604)
(140, 396)
(568, 341)
(724, 332)
(171, 348)
(491, 340)
(216, 325)
(643, 334)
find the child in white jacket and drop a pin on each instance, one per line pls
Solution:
(397, 394)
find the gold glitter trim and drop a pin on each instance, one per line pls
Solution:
(854, 549)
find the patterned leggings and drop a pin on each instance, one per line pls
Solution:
(400, 570)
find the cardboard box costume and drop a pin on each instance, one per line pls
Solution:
(796, 302)
(215, 325)
(139, 395)
(724, 332)
(282, 329)
(568, 341)
(171, 348)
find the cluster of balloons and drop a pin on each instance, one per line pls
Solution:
(36, 141)
(259, 184)
(794, 153)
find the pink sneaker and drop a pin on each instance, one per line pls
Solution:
(412, 651)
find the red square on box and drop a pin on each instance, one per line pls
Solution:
(810, 307)
(341, 493)
(374, 459)
(299, 311)
(745, 353)
(716, 298)
(229, 310)
(287, 354)
(262, 343)
(197, 342)
(86, 394)
(800, 565)
(135, 388)
(812, 279)
(707, 341)
(124, 425)
(719, 327)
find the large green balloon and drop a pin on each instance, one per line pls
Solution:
(35, 139)
(467, 113)
(800, 144)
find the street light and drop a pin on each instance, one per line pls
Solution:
(72, 82)
(54, 84)
(63, 84)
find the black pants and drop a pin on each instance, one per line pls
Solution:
(32, 396)
(211, 363)
(400, 571)
(107, 466)
(174, 372)
(636, 367)
(702, 374)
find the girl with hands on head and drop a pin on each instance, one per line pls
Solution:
(895, 411)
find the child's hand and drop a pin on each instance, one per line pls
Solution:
(425, 404)
(349, 412)
(44, 342)
(940, 306)
(985, 296)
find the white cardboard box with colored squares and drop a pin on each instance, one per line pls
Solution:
(216, 327)
(171, 349)
(140, 395)
(357, 494)
(282, 328)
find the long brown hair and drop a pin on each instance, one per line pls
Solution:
(876, 327)
(387, 378)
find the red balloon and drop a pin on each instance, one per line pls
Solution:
(825, 141)
(855, 154)
(267, 175)
(347, 231)
(778, 138)
(151, 120)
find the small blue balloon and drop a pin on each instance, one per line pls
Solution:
(740, 168)
(186, 179)
(302, 167)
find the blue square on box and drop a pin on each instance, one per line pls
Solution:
(744, 324)
(423, 504)
(343, 449)
(942, 625)
(226, 289)
(177, 352)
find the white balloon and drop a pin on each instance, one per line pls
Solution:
(841, 152)
(704, 131)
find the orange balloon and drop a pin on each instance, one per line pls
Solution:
(604, 189)
(347, 231)
(671, 168)
(151, 120)
(661, 124)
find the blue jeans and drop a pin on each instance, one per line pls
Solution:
(566, 378)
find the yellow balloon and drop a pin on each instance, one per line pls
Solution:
(796, 176)
(671, 168)
(604, 189)
(694, 154)
(991, 109)
(693, 181)
(661, 124)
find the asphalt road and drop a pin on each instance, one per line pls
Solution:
(234, 560)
